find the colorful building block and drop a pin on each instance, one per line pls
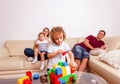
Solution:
(29, 73)
(35, 76)
(67, 56)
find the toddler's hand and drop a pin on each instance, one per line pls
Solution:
(59, 51)
(73, 65)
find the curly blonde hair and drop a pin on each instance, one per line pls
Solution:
(55, 31)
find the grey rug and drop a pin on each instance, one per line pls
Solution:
(14, 81)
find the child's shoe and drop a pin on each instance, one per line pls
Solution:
(34, 61)
(30, 59)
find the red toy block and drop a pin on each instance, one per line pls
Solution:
(28, 73)
(63, 53)
(60, 75)
(27, 81)
(71, 79)
(72, 70)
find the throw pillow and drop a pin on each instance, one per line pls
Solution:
(97, 52)
(112, 58)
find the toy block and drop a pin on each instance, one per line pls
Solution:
(58, 71)
(60, 63)
(72, 70)
(66, 55)
(62, 82)
(35, 76)
(63, 53)
(59, 76)
(71, 79)
(27, 81)
(53, 70)
(74, 76)
(63, 71)
(48, 73)
(21, 80)
(29, 73)
(65, 64)
(68, 70)
(55, 66)
(66, 78)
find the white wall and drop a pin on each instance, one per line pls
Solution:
(23, 19)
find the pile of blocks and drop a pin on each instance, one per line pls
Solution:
(62, 73)
(26, 79)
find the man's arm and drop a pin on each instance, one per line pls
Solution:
(86, 42)
(104, 47)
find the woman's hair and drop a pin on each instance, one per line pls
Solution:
(48, 31)
(56, 31)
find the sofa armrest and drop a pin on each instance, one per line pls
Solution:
(4, 52)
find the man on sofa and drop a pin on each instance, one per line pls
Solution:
(81, 50)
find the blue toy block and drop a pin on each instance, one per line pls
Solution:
(65, 64)
(35, 76)
(62, 82)
(58, 71)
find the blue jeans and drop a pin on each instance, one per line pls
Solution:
(29, 52)
(80, 52)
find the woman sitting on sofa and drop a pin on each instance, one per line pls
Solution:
(81, 50)
(29, 52)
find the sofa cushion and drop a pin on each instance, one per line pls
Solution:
(36, 66)
(104, 70)
(112, 58)
(29, 66)
(11, 63)
(16, 47)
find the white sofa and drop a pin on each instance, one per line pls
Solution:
(109, 73)
(13, 61)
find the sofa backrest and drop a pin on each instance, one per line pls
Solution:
(81, 39)
(16, 47)
(113, 43)
(71, 41)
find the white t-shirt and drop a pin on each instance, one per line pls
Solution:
(52, 48)
(42, 45)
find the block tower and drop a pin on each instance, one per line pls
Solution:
(62, 73)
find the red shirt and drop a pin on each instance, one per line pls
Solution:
(93, 41)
